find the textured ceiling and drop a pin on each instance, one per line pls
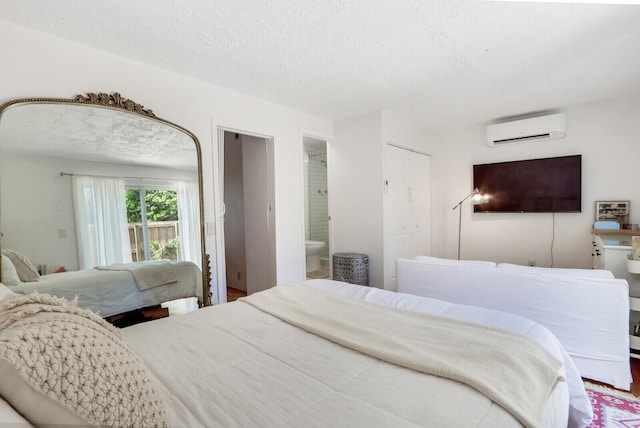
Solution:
(96, 134)
(448, 63)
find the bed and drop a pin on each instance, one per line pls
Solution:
(108, 290)
(317, 353)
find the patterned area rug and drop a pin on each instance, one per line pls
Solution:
(613, 408)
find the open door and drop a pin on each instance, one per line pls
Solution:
(316, 208)
(245, 230)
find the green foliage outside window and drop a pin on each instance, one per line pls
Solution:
(162, 205)
(167, 251)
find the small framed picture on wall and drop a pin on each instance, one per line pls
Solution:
(617, 211)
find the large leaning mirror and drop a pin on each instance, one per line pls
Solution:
(95, 189)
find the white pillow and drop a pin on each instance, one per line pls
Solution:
(9, 275)
(27, 272)
(4, 291)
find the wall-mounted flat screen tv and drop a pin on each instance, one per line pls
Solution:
(531, 186)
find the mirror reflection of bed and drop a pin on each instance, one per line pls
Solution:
(100, 198)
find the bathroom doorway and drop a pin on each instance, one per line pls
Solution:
(316, 209)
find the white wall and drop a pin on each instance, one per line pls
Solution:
(398, 129)
(355, 177)
(38, 65)
(356, 180)
(605, 133)
(37, 203)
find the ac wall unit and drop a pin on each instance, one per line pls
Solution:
(519, 131)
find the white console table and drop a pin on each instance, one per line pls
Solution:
(634, 318)
(615, 259)
(633, 268)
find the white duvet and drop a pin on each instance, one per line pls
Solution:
(233, 365)
(109, 293)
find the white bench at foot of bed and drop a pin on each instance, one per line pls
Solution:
(587, 310)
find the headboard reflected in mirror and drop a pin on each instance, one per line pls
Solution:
(99, 180)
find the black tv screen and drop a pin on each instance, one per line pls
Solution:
(530, 186)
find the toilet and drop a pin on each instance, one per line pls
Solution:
(313, 250)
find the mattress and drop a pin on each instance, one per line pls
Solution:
(109, 293)
(234, 365)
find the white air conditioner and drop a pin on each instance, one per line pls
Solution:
(519, 131)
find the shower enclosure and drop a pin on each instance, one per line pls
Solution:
(316, 196)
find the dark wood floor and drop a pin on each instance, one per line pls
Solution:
(635, 374)
(234, 294)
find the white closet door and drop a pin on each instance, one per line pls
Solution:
(407, 208)
(420, 205)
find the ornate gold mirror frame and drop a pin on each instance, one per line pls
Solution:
(118, 103)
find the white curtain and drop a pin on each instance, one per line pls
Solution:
(101, 221)
(189, 221)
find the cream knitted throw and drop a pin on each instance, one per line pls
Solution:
(510, 369)
(74, 358)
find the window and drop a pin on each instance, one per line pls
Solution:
(152, 214)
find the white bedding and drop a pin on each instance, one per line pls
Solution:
(233, 365)
(109, 292)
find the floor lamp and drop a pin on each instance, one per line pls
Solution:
(478, 199)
